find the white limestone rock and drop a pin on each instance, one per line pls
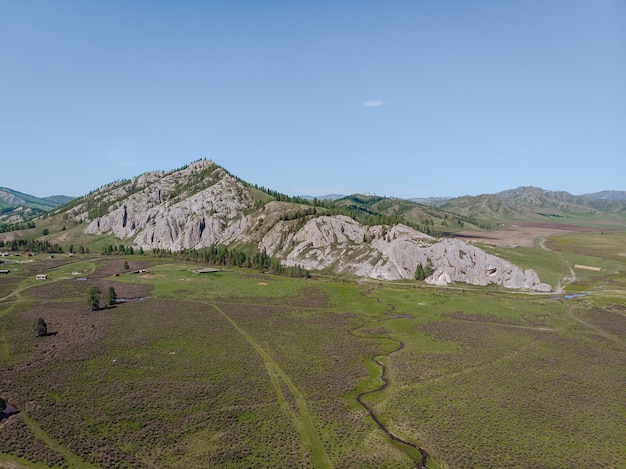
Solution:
(154, 217)
(342, 245)
(202, 205)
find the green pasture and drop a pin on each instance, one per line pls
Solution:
(238, 368)
(607, 251)
(554, 258)
(181, 279)
(604, 220)
(549, 265)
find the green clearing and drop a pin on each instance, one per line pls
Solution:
(238, 368)
(549, 265)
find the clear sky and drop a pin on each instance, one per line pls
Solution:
(399, 98)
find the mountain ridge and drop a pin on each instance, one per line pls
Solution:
(16, 202)
(533, 203)
(203, 205)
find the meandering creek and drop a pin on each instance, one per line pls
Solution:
(421, 464)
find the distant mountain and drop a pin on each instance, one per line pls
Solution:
(434, 201)
(606, 201)
(59, 199)
(605, 195)
(534, 203)
(323, 197)
(16, 206)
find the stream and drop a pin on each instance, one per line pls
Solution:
(384, 383)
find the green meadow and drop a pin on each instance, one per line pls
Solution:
(239, 368)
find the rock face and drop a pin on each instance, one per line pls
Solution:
(457, 261)
(164, 210)
(342, 245)
(202, 205)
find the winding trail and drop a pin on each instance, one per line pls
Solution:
(565, 279)
(29, 283)
(300, 417)
(598, 330)
(421, 463)
(73, 460)
(24, 285)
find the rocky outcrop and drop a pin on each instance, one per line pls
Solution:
(202, 205)
(160, 214)
(342, 245)
(456, 261)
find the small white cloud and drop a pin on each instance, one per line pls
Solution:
(373, 103)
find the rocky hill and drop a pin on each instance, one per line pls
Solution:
(340, 244)
(202, 205)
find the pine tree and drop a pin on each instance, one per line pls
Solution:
(94, 298)
(40, 328)
(111, 296)
(421, 273)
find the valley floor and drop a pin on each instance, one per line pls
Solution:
(513, 234)
(237, 368)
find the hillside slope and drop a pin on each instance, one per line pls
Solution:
(202, 205)
(16, 206)
(533, 203)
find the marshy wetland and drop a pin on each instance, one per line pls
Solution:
(238, 368)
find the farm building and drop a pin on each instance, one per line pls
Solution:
(588, 267)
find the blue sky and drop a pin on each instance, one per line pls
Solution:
(399, 98)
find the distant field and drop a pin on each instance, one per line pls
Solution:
(242, 369)
(524, 233)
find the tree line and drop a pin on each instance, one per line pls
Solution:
(236, 257)
(120, 249)
(33, 245)
(6, 227)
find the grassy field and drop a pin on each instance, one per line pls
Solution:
(238, 368)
